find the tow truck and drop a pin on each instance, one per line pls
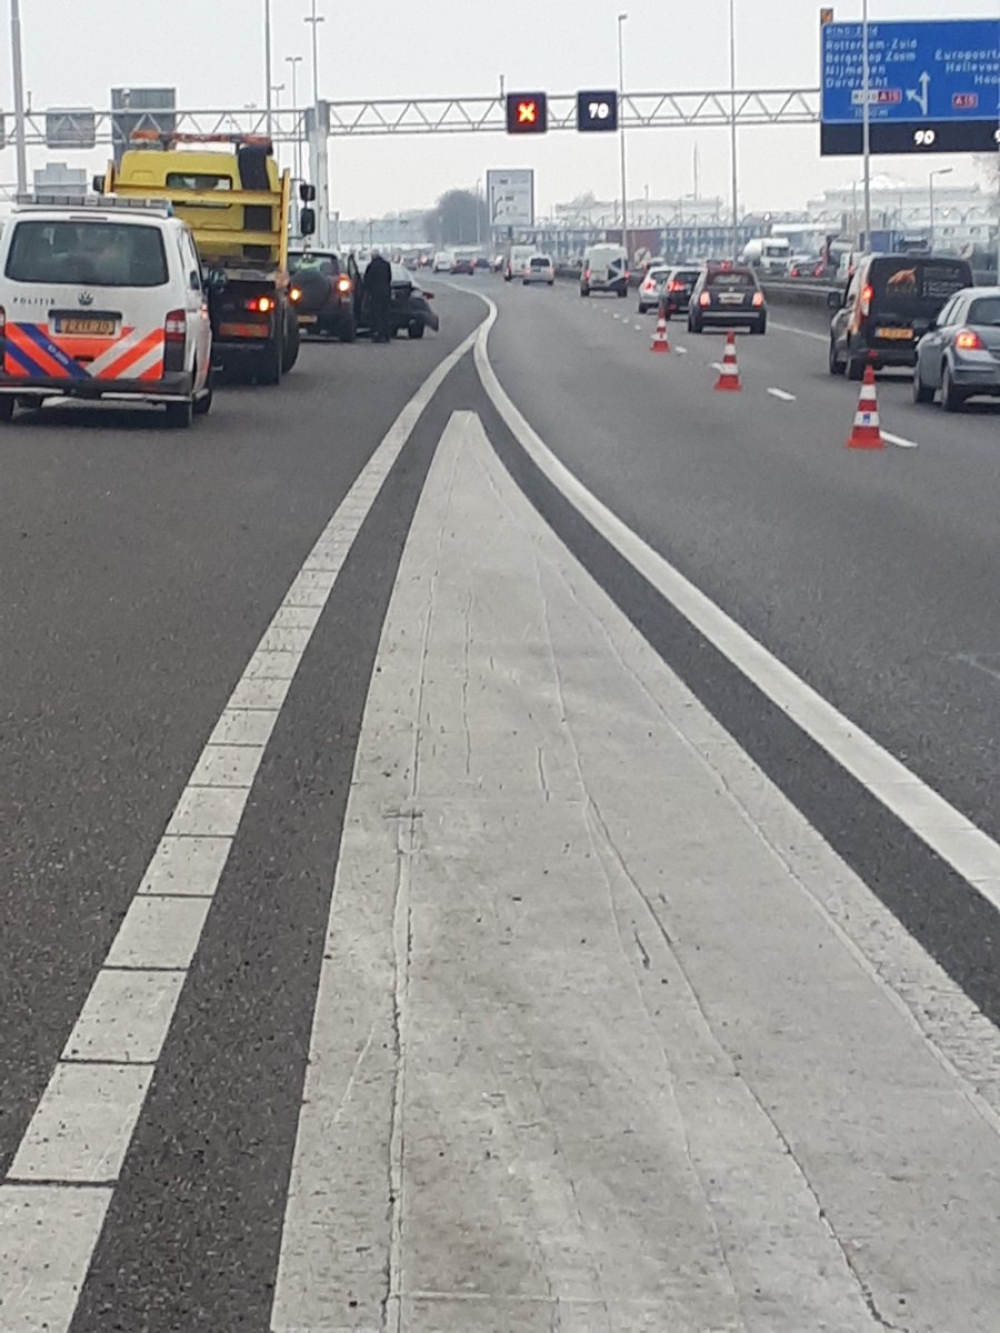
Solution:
(229, 191)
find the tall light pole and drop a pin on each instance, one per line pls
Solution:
(267, 63)
(622, 20)
(19, 128)
(941, 171)
(315, 19)
(734, 160)
(866, 121)
(293, 63)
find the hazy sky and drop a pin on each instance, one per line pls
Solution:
(212, 50)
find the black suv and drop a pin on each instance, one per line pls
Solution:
(726, 295)
(322, 293)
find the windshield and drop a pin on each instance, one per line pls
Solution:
(85, 253)
(322, 262)
(541, 261)
(731, 280)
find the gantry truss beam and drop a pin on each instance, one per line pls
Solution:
(428, 115)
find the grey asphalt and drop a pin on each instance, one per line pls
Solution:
(138, 570)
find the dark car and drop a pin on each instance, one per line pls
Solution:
(481, 264)
(726, 295)
(675, 294)
(889, 305)
(463, 266)
(960, 352)
(409, 306)
(323, 294)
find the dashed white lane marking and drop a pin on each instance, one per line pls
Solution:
(782, 396)
(55, 1197)
(972, 853)
(681, 351)
(899, 441)
(802, 333)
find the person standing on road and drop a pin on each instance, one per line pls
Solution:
(378, 289)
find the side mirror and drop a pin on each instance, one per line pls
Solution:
(835, 300)
(307, 222)
(97, 184)
(307, 193)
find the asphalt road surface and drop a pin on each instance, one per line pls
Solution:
(499, 836)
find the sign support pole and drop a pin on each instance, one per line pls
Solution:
(19, 127)
(867, 124)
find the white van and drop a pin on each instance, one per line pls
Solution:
(103, 298)
(517, 261)
(605, 269)
(768, 254)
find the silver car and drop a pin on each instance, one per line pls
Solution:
(959, 355)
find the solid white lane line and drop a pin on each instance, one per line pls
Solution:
(972, 853)
(782, 396)
(84, 1122)
(899, 441)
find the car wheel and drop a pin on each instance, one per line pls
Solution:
(836, 367)
(623, 292)
(760, 327)
(855, 369)
(180, 415)
(952, 399)
(416, 329)
(921, 392)
(6, 410)
(552, 282)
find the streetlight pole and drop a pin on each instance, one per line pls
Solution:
(734, 160)
(866, 121)
(19, 128)
(293, 63)
(267, 63)
(941, 171)
(622, 19)
(315, 19)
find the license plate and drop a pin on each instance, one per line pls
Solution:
(308, 319)
(895, 335)
(243, 330)
(84, 326)
(731, 300)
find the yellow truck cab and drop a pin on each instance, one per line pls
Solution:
(237, 204)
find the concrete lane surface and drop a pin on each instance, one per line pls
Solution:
(415, 920)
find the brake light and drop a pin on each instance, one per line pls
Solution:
(867, 296)
(676, 286)
(261, 305)
(704, 299)
(758, 298)
(343, 284)
(175, 327)
(966, 340)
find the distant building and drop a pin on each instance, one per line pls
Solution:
(964, 215)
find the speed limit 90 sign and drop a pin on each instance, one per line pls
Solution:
(597, 111)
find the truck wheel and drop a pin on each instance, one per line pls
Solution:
(180, 415)
(292, 342)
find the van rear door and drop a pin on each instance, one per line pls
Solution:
(907, 293)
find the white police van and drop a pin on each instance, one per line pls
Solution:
(102, 298)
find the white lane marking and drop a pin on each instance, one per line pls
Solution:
(944, 829)
(125, 1018)
(899, 441)
(802, 333)
(782, 396)
(681, 351)
(639, 327)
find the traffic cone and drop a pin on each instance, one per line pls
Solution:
(661, 342)
(729, 371)
(867, 432)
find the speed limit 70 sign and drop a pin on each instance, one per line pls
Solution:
(597, 111)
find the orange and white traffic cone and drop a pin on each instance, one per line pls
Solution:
(867, 432)
(729, 372)
(661, 342)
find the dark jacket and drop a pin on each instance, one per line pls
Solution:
(378, 278)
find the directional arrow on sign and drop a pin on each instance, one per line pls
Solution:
(923, 97)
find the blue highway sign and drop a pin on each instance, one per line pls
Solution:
(933, 86)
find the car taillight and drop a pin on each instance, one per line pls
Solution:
(676, 286)
(343, 284)
(867, 296)
(175, 327)
(586, 274)
(261, 305)
(966, 340)
(758, 298)
(704, 299)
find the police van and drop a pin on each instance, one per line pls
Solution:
(102, 298)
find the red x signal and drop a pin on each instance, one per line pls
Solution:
(527, 113)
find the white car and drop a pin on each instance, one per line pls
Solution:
(649, 289)
(103, 298)
(539, 268)
(443, 261)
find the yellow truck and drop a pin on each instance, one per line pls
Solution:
(229, 191)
